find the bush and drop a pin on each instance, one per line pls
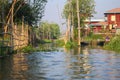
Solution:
(114, 44)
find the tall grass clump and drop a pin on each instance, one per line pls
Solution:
(70, 44)
(114, 44)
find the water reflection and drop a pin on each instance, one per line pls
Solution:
(74, 64)
(13, 68)
(79, 65)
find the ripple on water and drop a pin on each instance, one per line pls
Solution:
(96, 64)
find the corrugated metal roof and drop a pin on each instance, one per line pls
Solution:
(94, 20)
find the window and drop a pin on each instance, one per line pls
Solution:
(113, 18)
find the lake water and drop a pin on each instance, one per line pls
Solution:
(75, 64)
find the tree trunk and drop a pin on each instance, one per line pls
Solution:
(78, 16)
(68, 33)
(72, 29)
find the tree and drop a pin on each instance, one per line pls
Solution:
(15, 10)
(49, 30)
(37, 7)
(3, 4)
(32, 10)
(86, 9)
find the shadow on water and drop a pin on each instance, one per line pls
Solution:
(82, 63)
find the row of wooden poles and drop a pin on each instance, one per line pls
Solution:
(13, 35)
(16, 37)
(20, 36)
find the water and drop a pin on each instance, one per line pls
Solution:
(77, 64)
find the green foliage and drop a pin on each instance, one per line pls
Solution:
(86, 8)
(45, 48)
(49, 30)
(38, 9)
(28, 49)
(47, 41)
(70, 45)
(4, 50)
(60, 43)
(41, 47)
(114, 44)
(92, 36)
(26, 12)
(96, 36)
(44, 41)
(32, 11)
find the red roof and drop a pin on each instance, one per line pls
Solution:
(115, 10)
(102, 23)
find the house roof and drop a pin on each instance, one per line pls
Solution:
(102, 23)
(99, 24)
(115, 10)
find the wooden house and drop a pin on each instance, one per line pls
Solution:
(111, 22)
(96, 25)
(113, 19)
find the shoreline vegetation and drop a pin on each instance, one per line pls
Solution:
(114, 44)
(39, 47)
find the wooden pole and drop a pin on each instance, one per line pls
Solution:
(78, 16)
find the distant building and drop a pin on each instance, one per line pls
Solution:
(96, 24)
(111, 22)
(113, 19)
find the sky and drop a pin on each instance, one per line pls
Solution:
(53, 10)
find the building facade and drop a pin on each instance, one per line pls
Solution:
(113, 19)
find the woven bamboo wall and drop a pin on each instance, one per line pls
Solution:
(20, 36)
